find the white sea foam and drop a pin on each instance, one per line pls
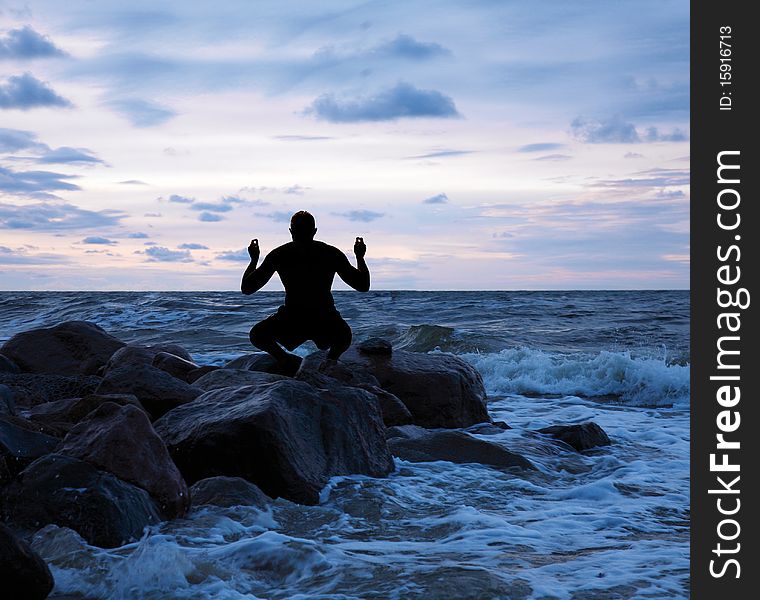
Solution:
(639, 381)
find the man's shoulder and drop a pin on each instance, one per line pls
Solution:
(327, 248)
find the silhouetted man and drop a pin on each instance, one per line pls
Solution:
(307, 268)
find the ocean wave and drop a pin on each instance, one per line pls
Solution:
(638, 381)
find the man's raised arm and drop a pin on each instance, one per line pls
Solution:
(357, 278)
(254, 279)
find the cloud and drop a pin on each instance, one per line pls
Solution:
(633, 155)
(437, 199)
(277, 216)
(235, 255)
(96, 239)
(25, 92)
(652, 178)
(554, 157)
(12, 140)
(162, 254)
(212, 207)
(540, 147)
(301, 138)
(132, 182)
(36, 184)
(609, 131)
(400, 101)
(652, 134)
(153, 215)
(142, 113)
(617, 131)
(181, 199)
(138, 235)
(405, 46)
(192, 246)
(27, 43)
(441, 153)
(209, 217)
(364, 216)
(298, 190)
(68, 155)
(46, 216)
(20, 256)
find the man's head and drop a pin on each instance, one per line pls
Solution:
(302, 226)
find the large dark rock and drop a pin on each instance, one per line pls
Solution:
(375, 347)
(32, 389)
(156, 390)
(221, 378)
(23, 573)
(121, 440)
(136, 354)
(67, 348)
(64, 414)
(439, 390)
(259, 361)
(7, 365)
(417, 444)
(286, 437)
(21, 444)
(72, 493)
(7, 404)
(174, 365)
(393, 410)
(196, 374)
(581, 437)
(227, 491)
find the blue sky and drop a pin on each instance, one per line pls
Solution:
(478, 145)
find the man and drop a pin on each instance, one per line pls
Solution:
(307, 268)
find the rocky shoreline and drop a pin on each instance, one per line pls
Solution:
(107, 438)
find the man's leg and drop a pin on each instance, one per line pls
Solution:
(340, 338)
(264, 336)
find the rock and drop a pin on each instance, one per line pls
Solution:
(375, 347)
(346, 374)
(439, 390)
(196, 374)
(488, 428)
(156, 390)
(7, 365)
(222, 378)
(227, 491)
(259, 361)
(121, 441)
(581, 437)
(137, 354)
(32, 389)
(23, 572)
(64, 414)
(67, 348)
(174, 365)
(20, 444)
(7, 405)
(393, 410)
(286, 437)
(417, 444)
(68, 492)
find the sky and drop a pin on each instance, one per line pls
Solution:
(480, 145)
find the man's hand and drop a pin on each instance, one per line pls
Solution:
(359, 248)
(253, 251)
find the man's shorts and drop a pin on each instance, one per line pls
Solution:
(291, 329)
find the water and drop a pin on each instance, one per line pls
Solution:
(612, 523)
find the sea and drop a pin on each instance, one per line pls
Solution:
(611, 523)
